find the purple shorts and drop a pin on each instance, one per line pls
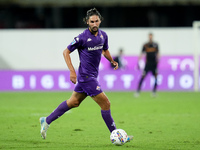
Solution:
(90, 88)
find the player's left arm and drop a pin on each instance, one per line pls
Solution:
(107, 55)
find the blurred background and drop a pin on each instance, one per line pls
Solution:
(117, 13)
(34, 33)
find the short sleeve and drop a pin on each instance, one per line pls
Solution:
(105, 46)
(75, 44)
(143, 48)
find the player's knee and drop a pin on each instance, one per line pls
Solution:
(106, 106)
(73, 104)
(76, 104)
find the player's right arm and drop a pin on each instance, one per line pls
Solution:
(66, 54)
(141, 56)
(143, 52)
(157, 55)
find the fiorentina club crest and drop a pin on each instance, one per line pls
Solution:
(101, 36)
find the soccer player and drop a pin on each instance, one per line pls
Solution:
(119, 60)
(91, 44)
(151, 51)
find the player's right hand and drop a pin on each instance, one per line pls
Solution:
(73, 77)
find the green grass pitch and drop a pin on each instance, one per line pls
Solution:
(170, 121)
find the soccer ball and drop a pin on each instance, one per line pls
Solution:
(118, 137)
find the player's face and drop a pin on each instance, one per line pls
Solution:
(94, 23)
(150, 37)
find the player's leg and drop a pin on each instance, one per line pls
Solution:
(155, 74)
(94, 90)
(74, 101)
(103, 101)
(155, 84)
(141, 81)
(144, 73)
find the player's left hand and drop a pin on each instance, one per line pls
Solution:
(115, 64)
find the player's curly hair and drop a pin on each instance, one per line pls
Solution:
(92, 12)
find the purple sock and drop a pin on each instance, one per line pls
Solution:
(59, 111)
(106, 115)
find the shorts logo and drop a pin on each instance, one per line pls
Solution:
(98, 88)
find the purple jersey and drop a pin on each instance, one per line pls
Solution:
(90, 49)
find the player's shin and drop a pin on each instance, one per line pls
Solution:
(155, 85)
(140, 84)
(59, 111)
(106, 115)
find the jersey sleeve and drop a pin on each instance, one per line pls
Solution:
(143, 48)
(105, 46)
(75, 44)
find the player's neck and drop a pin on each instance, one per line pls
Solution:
(94, 33)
